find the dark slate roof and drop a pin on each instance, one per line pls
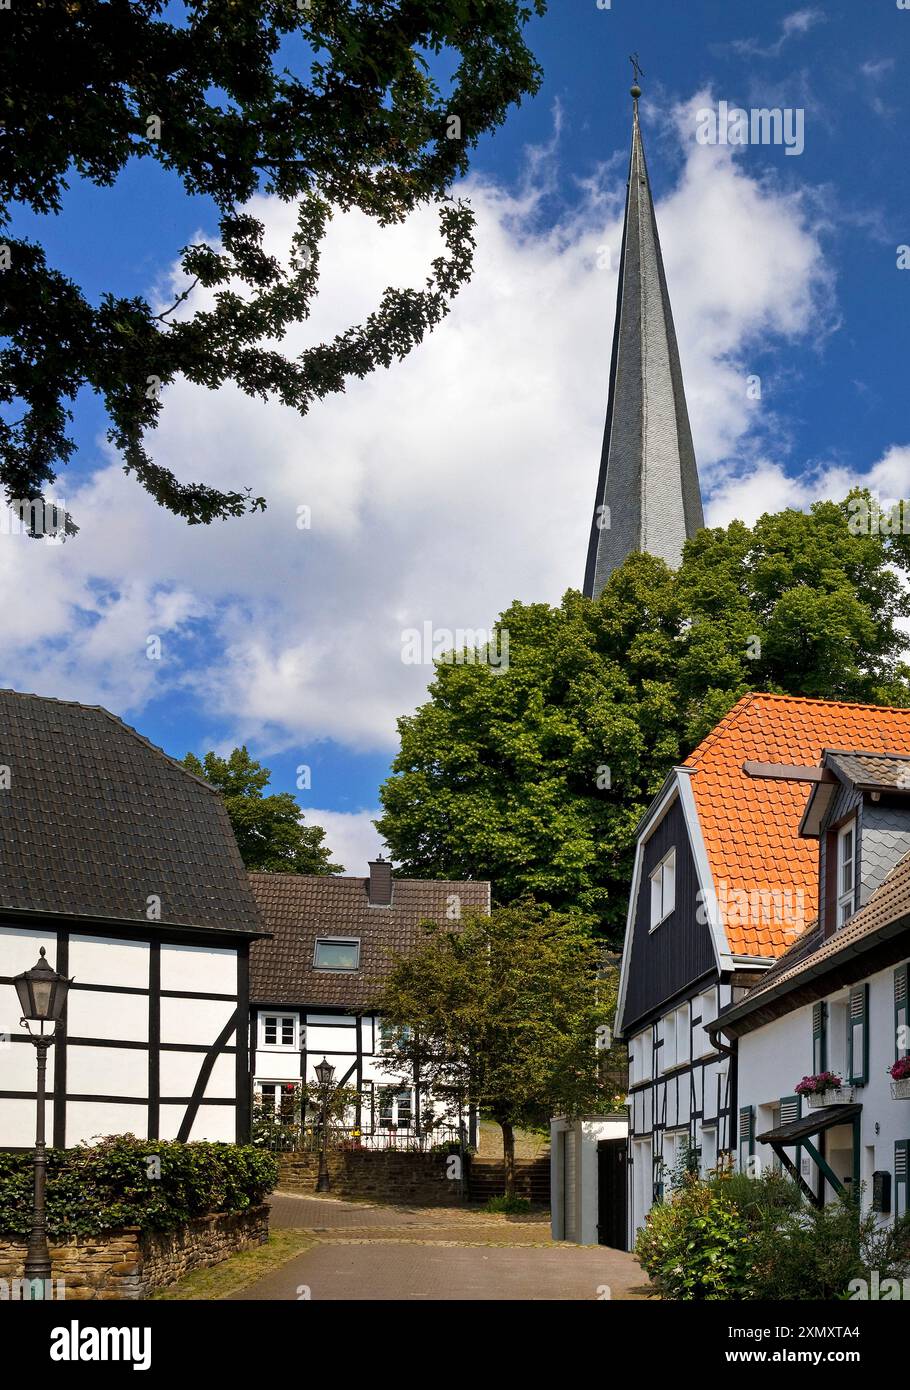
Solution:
(873, 771)
(96, 819)
(298, 908)
(648, 476)
(887, 911)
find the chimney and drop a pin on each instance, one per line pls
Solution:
(380, 885)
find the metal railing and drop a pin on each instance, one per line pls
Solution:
(270, 1131)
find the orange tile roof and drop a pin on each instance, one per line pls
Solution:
(750, 826)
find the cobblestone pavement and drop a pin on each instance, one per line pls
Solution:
(366, 1252)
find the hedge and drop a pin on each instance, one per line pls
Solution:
(122, 1181)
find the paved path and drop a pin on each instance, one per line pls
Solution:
(363, 1252)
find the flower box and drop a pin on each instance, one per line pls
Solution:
(900, 1090)
(835, 1095)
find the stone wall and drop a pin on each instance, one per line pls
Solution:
(383, 1174)
(131, 1264)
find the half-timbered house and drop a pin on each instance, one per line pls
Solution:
(315, 982)
(123, 866)
(723, 885)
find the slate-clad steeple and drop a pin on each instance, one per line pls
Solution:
(648, 497)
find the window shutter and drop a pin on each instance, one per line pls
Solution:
(858, 1035)
(901, 1012)
(789, 1109)
(746, 1136)
(901, 1167)
(819, 1036)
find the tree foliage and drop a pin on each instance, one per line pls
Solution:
(329, 103)
(269, 829)
(504, 1014)
(536, 776)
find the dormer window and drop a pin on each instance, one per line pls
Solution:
(337, 953)
(846, 871)
(663, 889)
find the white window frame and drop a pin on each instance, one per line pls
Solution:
(846, 897)
(336, 941)
(683, 1033)
(280, 1018)
(663, 889)
(279, 1084)
(668, 1035)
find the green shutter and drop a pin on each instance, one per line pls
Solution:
(901, 1012)
(790, 1110)
(819, 1037)
(901, 1171)
(858, 1036)
(746, 1136)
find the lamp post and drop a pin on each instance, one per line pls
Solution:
(325, 1076)
(42, 997)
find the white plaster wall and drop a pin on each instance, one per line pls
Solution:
(111, 1071)
(205, 969)
(121, 1016)
(19, 949)
(195, 1020)
(89, 1120)
(772, 1059)
(103, 960)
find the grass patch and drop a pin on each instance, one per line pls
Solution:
(238, 1272)
(510, 1206)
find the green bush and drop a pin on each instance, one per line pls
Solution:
(695, 1245)
(736, 1237)
(125, 1181)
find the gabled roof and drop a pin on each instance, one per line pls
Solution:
(97, 820)
(298, 908)
(750, 826)
(884, 918)
(873, 771)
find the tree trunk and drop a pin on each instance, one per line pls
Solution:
(508, 1156)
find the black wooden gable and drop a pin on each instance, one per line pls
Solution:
(680, 951)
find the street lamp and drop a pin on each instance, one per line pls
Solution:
(325, 1076)
(42, 998)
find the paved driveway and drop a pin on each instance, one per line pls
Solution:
(371, 1253)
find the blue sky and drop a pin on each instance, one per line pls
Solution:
(780, 266)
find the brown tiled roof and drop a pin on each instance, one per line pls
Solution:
(298, 908)
(889, 906)
(96, 820)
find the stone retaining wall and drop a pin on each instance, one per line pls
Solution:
(131, 1264)
(424, 1179)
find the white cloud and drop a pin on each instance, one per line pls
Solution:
(797, 23)
(439, 490)
(351, 837)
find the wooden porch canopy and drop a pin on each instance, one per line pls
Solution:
(799, 1133)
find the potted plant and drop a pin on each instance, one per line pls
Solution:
(824, 1088)
(900, 1079)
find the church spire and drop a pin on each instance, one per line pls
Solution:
(648, 497)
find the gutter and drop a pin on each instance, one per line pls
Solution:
(736, 1012)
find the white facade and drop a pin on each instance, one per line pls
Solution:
(574, 1181)
(774, 1057)
(150, 1043)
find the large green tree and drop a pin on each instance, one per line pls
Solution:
(327, 103)
(510, 1013)
(535, 776)
(269, 829)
